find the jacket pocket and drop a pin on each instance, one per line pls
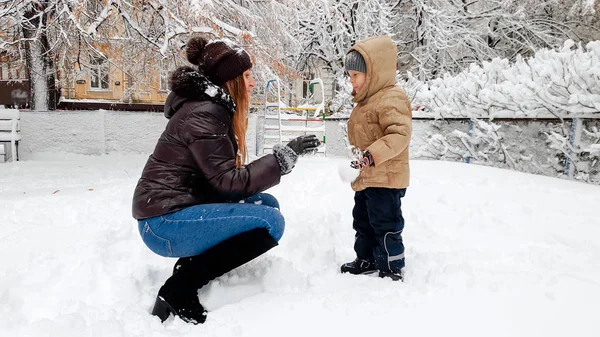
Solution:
(156, 243)
(396, 164)
(375, 175)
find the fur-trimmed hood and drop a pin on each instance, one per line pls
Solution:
(189, 84)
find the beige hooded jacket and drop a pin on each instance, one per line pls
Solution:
(381, 122)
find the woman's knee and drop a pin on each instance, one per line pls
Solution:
(267, 199)
(277, 225)
(157, 244)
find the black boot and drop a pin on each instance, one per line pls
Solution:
(179, 294)
(182, 263)
(395, 276)
(359, 267)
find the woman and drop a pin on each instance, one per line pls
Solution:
(196, 199)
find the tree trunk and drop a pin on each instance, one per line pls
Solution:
(42, 79)
(420, 36)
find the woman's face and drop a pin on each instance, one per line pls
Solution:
(249, 81)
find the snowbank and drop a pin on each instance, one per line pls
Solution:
(490, 252)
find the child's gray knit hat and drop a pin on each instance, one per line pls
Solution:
(355, 61)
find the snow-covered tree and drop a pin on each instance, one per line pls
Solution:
(26, 24)
(325, 30)
(73, 31)
(286, 37)
(560, 83)
(133, 36)
(439, 36)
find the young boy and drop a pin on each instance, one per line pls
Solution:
(379, 126)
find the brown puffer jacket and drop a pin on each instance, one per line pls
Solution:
(381, 122)
(194, 161)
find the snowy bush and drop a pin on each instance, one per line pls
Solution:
(581, 155)
(516, 146)
(563, 85)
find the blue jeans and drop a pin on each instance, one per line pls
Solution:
(193, 230)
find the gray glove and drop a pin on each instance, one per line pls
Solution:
(287, 155)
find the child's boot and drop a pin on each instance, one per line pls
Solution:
(395, 276)
(359, 267)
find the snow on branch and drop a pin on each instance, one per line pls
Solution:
(106, 12)
(561, 83)
(229, 28)
(589, 5)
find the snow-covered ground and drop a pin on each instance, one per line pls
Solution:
(489, 253)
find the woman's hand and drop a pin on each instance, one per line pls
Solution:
(288, 155)
(304, 144)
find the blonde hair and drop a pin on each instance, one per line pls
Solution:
(237, 91)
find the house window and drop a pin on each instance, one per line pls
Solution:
(307, 90)
(164, 80)
(22, 74)
(4, 72)
(12, 71)
(129, 82)
(98, 73)
(243, 3)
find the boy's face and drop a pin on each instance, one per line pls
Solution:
(357, 79)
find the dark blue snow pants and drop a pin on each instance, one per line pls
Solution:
(378, 223)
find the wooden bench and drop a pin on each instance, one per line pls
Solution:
(10, 133)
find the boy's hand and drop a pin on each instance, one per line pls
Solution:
(367, 160)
